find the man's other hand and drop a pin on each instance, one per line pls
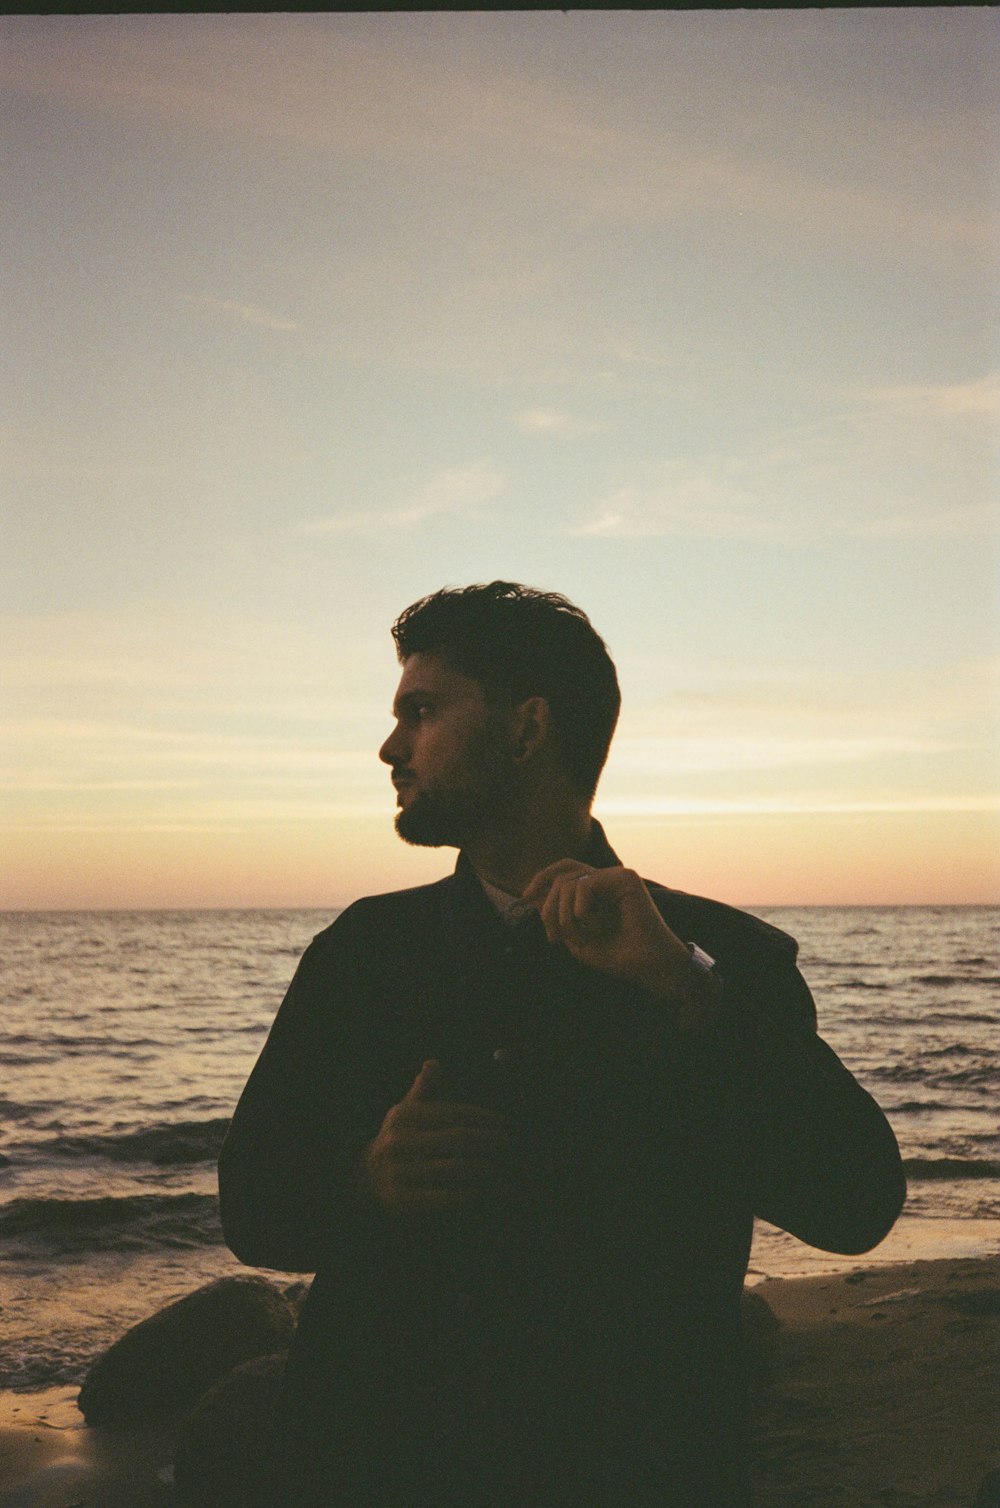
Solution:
(433, 1154)
(606, 918)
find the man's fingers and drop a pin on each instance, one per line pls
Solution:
(540, 885)
(433, 1115)
(446, 1172)
(573, 895)
(426, 1081)
(575, 900)
(549, 912)
(575, 907)
(596, 909)
(452, 1141)
(436, 1154)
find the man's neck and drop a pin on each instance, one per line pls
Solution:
(510, 859)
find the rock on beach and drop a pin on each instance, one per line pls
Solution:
(216, 1357)
(224, 1445)
(165, 1363)
(884, 1391)
(759, 1326)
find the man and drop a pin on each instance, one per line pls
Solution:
(519, 1121)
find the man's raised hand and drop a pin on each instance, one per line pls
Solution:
(606, 918)
(435, 1154)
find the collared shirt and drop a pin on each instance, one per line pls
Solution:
(511, 909)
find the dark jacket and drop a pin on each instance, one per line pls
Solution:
(581, 1345)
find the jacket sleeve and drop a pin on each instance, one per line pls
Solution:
(288, 1166)
(823, 1160)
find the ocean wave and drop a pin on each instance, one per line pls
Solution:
(953, 1050)
(14, 1110)
(963, 1018)
(981, 1077)
(914, 1107)
(136, 1223)
(925, 1169)
(940, 980)
(164, 1146)
(895, 1020)
(45, 1362)
(73, 1045)
(30, 1059)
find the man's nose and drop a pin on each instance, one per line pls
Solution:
(391, 750)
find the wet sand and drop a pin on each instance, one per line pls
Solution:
(50, 1459)
(885, 1395)
(887, 1390)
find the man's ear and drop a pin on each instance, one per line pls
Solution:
(530, 725)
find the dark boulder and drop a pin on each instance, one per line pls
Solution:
(296, 1293)
(989, 1491)
(223, 1451)
(760, 1326)
(168, 1361)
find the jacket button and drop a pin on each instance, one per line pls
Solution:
(501, 1057)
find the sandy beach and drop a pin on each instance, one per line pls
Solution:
(885, 1393)
(886, 1390)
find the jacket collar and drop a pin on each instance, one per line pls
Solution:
(598, 852)
(470, 914)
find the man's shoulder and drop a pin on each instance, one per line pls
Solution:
(392, 908)
(720, 928)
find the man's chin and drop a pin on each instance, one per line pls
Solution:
(418, 833)
(429, 819)
(422, 830)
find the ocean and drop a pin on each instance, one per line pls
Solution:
(126, 1038)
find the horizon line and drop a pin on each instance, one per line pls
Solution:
(984, 905)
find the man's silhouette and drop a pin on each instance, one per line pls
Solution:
(519, 1121)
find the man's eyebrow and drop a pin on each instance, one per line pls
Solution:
(414, 698)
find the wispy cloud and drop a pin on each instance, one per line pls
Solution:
(227, 816)
(758, 751)
(768, 733)
(137, 675)
(780, 700)
(260, 812)
(882, 463)
(694, 500)
(781, 697)
(106, 741)
(327, 84)
(947, 523)
(792, 804)
(629, 353)
(246, 314)
(979, 398)
(550, 421)
(454, 490)
(67, 453)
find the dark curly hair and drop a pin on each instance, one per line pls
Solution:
(518, 642)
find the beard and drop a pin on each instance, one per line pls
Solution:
(453, 815)
(440, 819)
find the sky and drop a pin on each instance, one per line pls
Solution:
(688, 315)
